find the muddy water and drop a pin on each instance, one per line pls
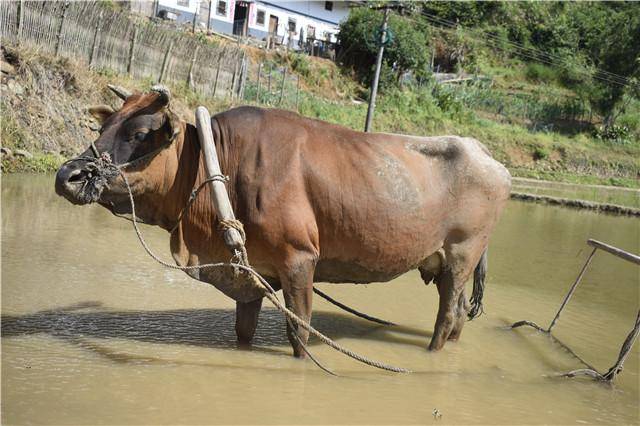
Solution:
(93, 332)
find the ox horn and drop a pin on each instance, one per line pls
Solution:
(120, 91)
(163, 92)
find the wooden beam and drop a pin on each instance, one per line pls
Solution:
(224, 211)
(615, 251)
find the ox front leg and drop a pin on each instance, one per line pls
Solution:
(297, 287)
(247, 320)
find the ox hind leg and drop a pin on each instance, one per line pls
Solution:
(461, 259)
(247, 320)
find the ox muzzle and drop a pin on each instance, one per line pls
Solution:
(82, 180)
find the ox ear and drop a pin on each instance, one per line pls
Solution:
(174, 123)
(164, 98)
(101, 112)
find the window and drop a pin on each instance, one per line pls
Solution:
(260, 17)
(183, 3)
(311, 31)
(328, 5)
(222, 8)
(292, 25)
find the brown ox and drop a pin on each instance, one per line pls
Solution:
(319, 202)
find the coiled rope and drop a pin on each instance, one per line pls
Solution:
(103, 163)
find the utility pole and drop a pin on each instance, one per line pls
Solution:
(376, 77)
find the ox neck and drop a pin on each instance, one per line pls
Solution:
(182, 172)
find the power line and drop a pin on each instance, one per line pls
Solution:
(529, 52)
(518, 49)
(521, 50)
(534, 53)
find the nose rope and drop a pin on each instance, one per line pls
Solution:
(95, 150)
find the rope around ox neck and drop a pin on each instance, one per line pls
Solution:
(268, 291)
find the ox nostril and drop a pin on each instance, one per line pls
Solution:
(77, 175)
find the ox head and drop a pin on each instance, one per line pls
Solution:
(130, 138)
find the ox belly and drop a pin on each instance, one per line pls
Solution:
(387, 219)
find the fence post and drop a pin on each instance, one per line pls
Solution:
(132, 50)
(20, 19)
(269, 84)
(209, 16)
(215, 84)
(94, 46)
(65, 7)
(297, 92)
(284, 78)
(258, 83)
(165, 62)
(243, 80)
(233, 81)
(190, 82)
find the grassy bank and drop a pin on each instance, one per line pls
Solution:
(541, 155)
(44, 103)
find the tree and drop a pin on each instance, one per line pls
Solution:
(406, 48)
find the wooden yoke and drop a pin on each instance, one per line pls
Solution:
(232, 237)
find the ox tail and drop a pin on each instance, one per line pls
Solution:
(479, 275)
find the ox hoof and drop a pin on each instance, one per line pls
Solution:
(299, 353)
(244, 345)
(454, 337)
(435, 346)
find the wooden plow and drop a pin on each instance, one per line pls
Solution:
(628, 342)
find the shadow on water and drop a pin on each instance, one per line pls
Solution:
(210, 328)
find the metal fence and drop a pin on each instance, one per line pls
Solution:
(272, 85)
(108, 39)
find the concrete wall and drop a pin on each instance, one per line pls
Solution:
(305, 13)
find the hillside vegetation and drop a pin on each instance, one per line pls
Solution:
(533, 117)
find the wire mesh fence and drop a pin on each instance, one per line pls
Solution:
(272, 85)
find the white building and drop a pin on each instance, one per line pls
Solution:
(317, 20)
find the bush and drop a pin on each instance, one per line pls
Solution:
(613, 133)
(540, 153)
(539, 73)
(301, 64)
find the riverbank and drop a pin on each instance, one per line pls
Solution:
(576, 204)
(44, 121)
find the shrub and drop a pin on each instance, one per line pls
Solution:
(613, 133)
(540, 153)
(301, 64)
(540, 73)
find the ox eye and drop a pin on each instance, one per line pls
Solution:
(140, 136)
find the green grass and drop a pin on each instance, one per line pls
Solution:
(578, 159)
(40, 163)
